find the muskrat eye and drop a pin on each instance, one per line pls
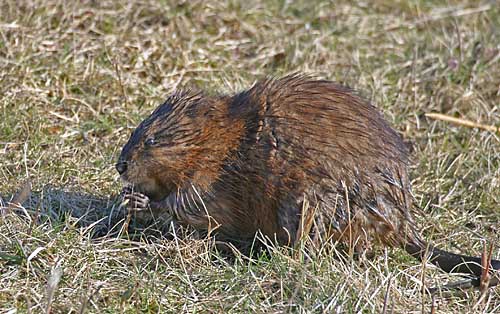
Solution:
(150, 142)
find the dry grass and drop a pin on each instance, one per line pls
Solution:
(77, 76)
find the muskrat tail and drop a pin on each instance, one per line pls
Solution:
(453, 263)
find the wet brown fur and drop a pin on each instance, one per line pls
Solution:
(246, 163)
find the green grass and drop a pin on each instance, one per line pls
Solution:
(77, 77)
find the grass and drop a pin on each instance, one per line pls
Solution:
(77, 77)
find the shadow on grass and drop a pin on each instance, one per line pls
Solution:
(106, 217)
(101, 215)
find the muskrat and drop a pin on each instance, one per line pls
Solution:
(237, 165)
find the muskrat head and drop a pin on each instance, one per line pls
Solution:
(183, 142)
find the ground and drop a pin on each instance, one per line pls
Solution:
(77, 76)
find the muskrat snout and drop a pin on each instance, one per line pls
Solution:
(121, 166)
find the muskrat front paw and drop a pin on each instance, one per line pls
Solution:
(136, 201)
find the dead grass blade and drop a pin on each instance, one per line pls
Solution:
(463, 122)
(306, 221)
(53, 282)
(387, 294)
(484, 282)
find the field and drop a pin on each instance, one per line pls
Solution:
(77, 76)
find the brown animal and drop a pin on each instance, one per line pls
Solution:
(237, 165)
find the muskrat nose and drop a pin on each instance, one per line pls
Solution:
(121, 166)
